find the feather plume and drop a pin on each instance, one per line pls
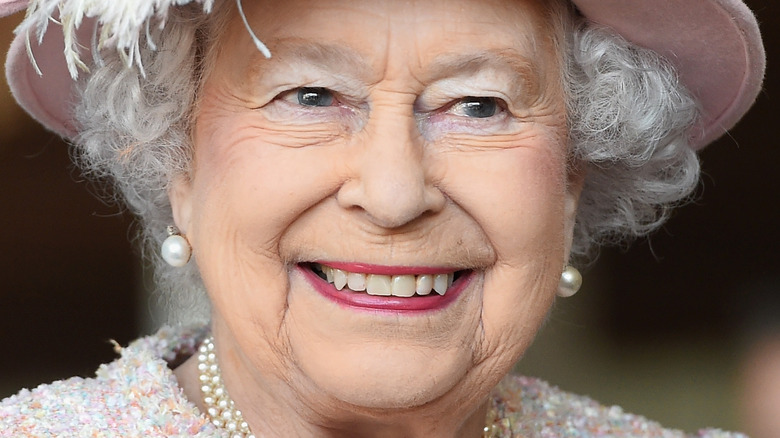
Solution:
(120, 25)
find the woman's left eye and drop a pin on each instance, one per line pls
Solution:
(476, 107)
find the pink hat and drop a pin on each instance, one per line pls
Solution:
(715, 45)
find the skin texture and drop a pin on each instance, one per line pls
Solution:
(395, 172)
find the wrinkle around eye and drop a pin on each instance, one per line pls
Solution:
(295, 136)
(476, 143)
(444, 124)
(336, 117)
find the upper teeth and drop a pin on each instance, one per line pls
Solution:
(387, 285)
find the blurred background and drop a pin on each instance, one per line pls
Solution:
(683, 327)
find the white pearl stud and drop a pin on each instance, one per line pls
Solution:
(176, 251)
(571, 281)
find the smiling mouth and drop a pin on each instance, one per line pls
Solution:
(404, 285)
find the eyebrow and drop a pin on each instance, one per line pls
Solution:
(524, 72)
(331, 57)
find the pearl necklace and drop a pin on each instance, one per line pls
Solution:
(219, 406)
(222, 411)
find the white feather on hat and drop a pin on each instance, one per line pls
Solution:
(120, 25)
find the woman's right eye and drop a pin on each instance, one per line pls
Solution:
(307, 105)
(313, 96)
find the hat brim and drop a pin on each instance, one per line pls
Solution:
(714, 44)
(48, 97)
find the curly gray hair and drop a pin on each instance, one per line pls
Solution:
(627, 113)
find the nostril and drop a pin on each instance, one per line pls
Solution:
(389, 205)
(391, 182)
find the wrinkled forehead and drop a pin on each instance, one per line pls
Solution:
(367, 33)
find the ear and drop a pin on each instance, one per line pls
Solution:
(180, 196)
(575, 183)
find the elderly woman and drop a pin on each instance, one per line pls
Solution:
(374, 203)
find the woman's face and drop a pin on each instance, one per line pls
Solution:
(397, 146)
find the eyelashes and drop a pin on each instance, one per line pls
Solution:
(470, 106)
(479, 115)
(309, 97)
(478, 107)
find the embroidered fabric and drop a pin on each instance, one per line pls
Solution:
(137, 395)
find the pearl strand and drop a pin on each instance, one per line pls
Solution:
(219, 406)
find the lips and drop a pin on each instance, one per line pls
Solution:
(387, 288)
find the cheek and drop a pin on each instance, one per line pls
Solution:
(246, 195)
(259, 186)
(516, 195)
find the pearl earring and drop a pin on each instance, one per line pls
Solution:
(571, 281)
(176, 250)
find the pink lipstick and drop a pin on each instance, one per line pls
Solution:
(432, 301)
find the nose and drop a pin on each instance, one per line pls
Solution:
(390, 181)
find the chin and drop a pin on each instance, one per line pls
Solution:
(381, 358)
(390, 378)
